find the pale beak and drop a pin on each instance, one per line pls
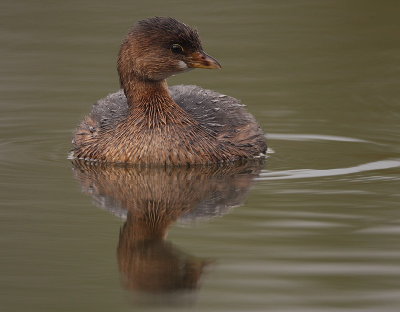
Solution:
(202, 60)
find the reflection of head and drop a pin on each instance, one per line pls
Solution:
(155, 265)
(154, 198)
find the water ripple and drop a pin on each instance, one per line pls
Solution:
(312, 137)
(316, 173)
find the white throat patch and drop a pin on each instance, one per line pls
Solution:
(182, 65)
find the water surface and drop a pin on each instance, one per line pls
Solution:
(316, 229)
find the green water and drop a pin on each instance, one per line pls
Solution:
(317, 228)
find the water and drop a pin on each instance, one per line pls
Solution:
(316, 228)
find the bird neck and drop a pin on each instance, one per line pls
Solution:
(152, 105)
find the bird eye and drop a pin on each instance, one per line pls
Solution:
(177, 48)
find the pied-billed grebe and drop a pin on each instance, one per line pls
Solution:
(149, 123)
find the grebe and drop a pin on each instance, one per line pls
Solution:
(148, 123)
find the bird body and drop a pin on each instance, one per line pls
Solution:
(148, 123)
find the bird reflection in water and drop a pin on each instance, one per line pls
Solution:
(151, 200)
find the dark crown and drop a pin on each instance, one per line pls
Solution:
(168, 30)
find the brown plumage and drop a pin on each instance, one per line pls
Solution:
(152, 124)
